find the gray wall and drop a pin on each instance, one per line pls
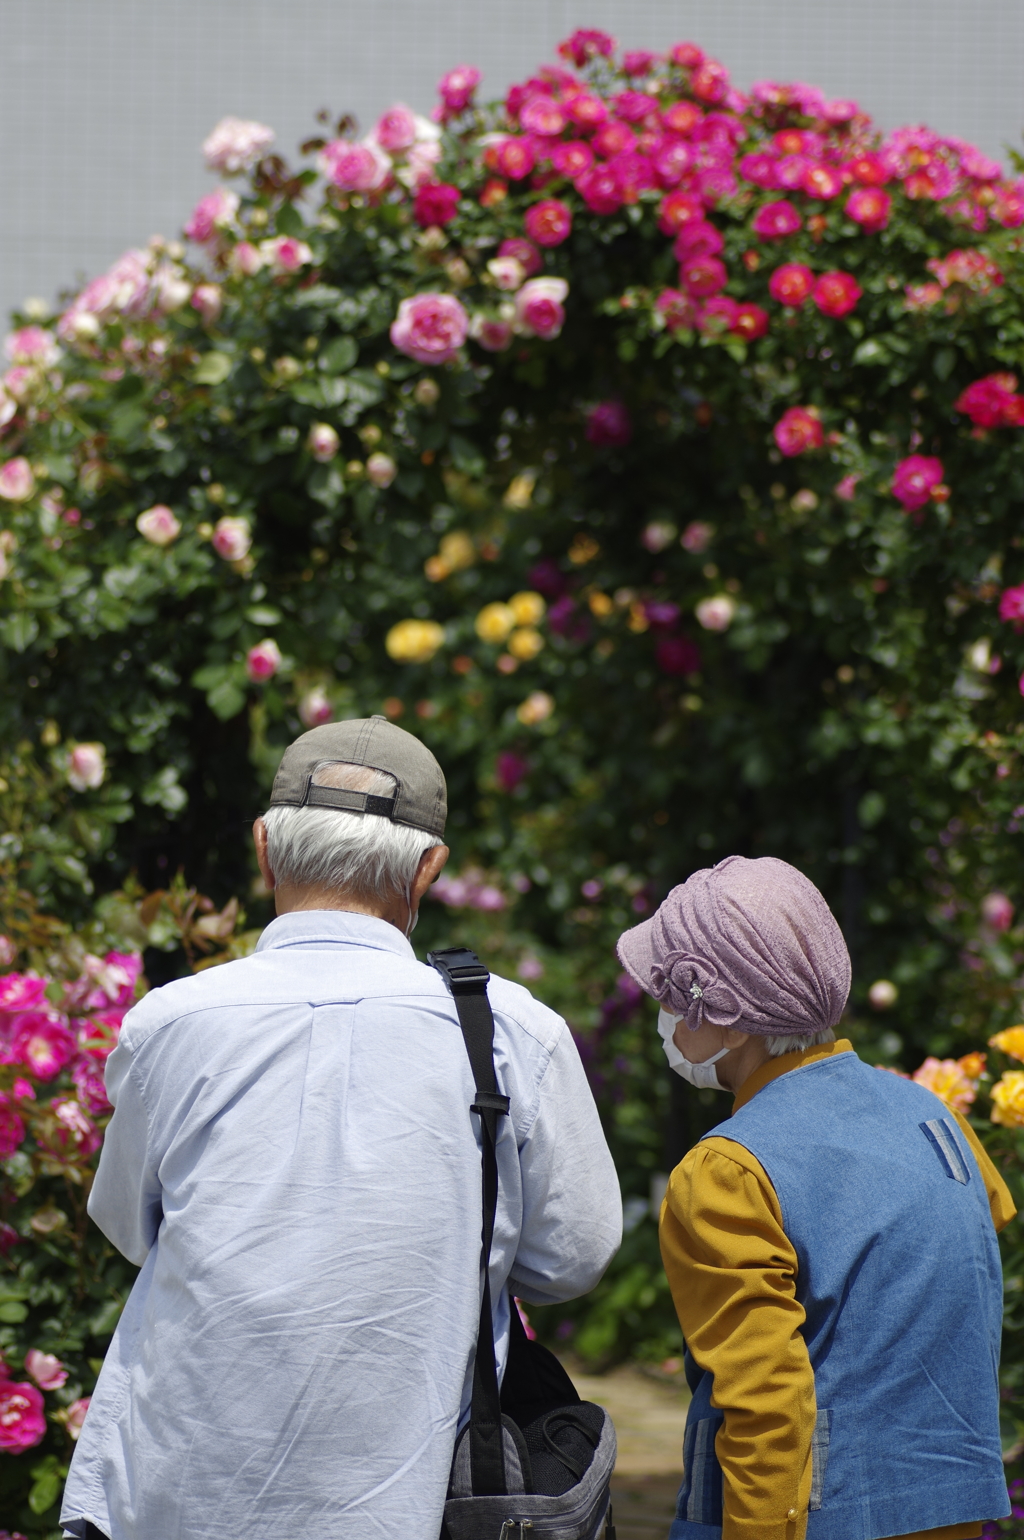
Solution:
(105, 102)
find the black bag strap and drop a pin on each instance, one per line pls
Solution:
(467, 979)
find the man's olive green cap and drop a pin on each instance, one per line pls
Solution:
(420, 800)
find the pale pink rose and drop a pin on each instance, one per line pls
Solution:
(47, 1371)
(263, 660)
(508, 273)
(232, 538)
(158, 525)
(236, 144)
(285, 254)
(22, 383)
(32, 345)
(75, 1134)
(87, 766)
(323, 442)
(430, 327)
(381, 470)
(716, 614)
(420, 163)
(354, 167)
(245, 259)
(315, 707)
(171, 289)
(997, 911)
(212, 214)
(539, 308)
(696, 537)
(396, 130)
(76, 1416)
(883, 995)
(17, 482)
(846, 490)
(8, 951)
(493, 335)
(208, 299)
(8, 407)
(22, 1417)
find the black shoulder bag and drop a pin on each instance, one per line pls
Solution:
(534, 1457)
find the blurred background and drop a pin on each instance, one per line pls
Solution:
(106, 102)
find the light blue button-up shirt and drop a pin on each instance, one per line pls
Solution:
(293, 1164)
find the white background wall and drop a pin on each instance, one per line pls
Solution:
(104, 103)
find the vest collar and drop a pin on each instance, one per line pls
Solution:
(783, 1065)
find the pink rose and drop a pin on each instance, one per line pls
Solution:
(672, 159)
(430, 327)
(823, 182)
(21, 991)
(638, 61)
(76, 1416)
(525, 252)
(32, 345)
(232, 538)
(586, 111)
(158, 525)
(677, 310)
(508, 273)
(992, 402)
(8, 951)
(87, 766)
(634, 175)
(457, 87)
(836, 294)
(1011, 606)
(677, 210)
(1007, 206)
(493, 335)
(207, 300)
(541, 114)
(761, 169)
(17, 482)
(510, 769)
(99, 1033)
(22, 1417)
(697, 238)
(750, 322)
(436, 203)
(791, 284)
(263, 661)
(43, 1045)
(396, 129)
(381, 470)
(354, 167)
(776, 220)
(571, 158)
(236, 144)
(798, 430)
(846, 489)
(12, 1129)
(245, 259)
(285, 254)
(608, 425)
(515, 158)
(47, 1371)
(539, 308)
(997, 911)
(91, 1088)
(599, 189)
(869, 207)
(211, 215)
(323, 442)
(922, 296)
(587, 43)
(717, 316)
(703, 276)
(73, 1134)
(915, 479)
(710, 81)
(549, 222)
(634, 106)
(696, 537)
(315, 708)
(716, 613)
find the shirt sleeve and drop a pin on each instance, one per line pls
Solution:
(999, 1200)
(125, 1201)
(733, 1272)
(572, 1205)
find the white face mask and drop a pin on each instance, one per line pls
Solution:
(703, 1075)
(414, 919)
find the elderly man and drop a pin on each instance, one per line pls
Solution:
(293, 1164)
(831, 1248)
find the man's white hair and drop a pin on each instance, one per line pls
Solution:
(362, 853)
(792, 1042)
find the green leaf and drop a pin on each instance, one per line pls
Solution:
(263, 615)
(289, 220)
(47, 1478)
(944, 363)
(212, 369)
(871, 351)
(339, 355)
(226, 700)
(12, 1312)
(17, 631)
(326, 485)
(105, 1319)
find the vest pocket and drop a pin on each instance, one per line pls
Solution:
(700, 1498)
(819, 1456)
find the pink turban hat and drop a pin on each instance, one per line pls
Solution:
(746, 944)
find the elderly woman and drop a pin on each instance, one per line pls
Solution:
(831, 1247)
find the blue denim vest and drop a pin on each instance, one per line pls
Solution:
(900, 1280)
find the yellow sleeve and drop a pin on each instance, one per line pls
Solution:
(999, 1200)
(732, 1272)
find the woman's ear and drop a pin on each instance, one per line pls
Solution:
(732, 1037)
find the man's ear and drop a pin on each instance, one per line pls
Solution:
(259, 839)
(430, 868)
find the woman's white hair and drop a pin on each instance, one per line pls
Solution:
(359, 853)
(792, 1042)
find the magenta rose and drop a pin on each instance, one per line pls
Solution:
(90, 1086)
(263, 661)
(430, 328)
(22, 1417)
(510, 769)
(775, 221)
(548, 222)
(515, 158)
(436, 203)
(43, 1044)
(396, 129)
(525, 253)
(1011, 604)
(749, 322)
(572, 158)
(541, 114)
(12, 1129)
(869, 207)
(21, 991)
(915, 479)
(798, 430)
(836, 294)
(677, 655)
(791, 284)
(703, 276)
(678, 209)
(587, 43)
(457, 87)
(608, 425)
(599, 189)
(992, 402)
(211, 214)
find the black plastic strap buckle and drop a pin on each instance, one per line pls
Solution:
(490, 1101)
(461, 967)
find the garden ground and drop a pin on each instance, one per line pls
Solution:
(649, 1419)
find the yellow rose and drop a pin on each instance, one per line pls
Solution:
(494, 622)
(525, 644)
(520, 490)
(946, 1078)
(583, 549)
(1011, 1041)
(414, 641)
(528, 608)
(536, 708)
(600, 605)
(1008, 1099)
(457, 551)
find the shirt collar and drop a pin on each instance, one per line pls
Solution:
(303, 927)
(783, 1065)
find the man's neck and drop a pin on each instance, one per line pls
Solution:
(289, 899)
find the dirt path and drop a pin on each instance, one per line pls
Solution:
(649, 1420)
